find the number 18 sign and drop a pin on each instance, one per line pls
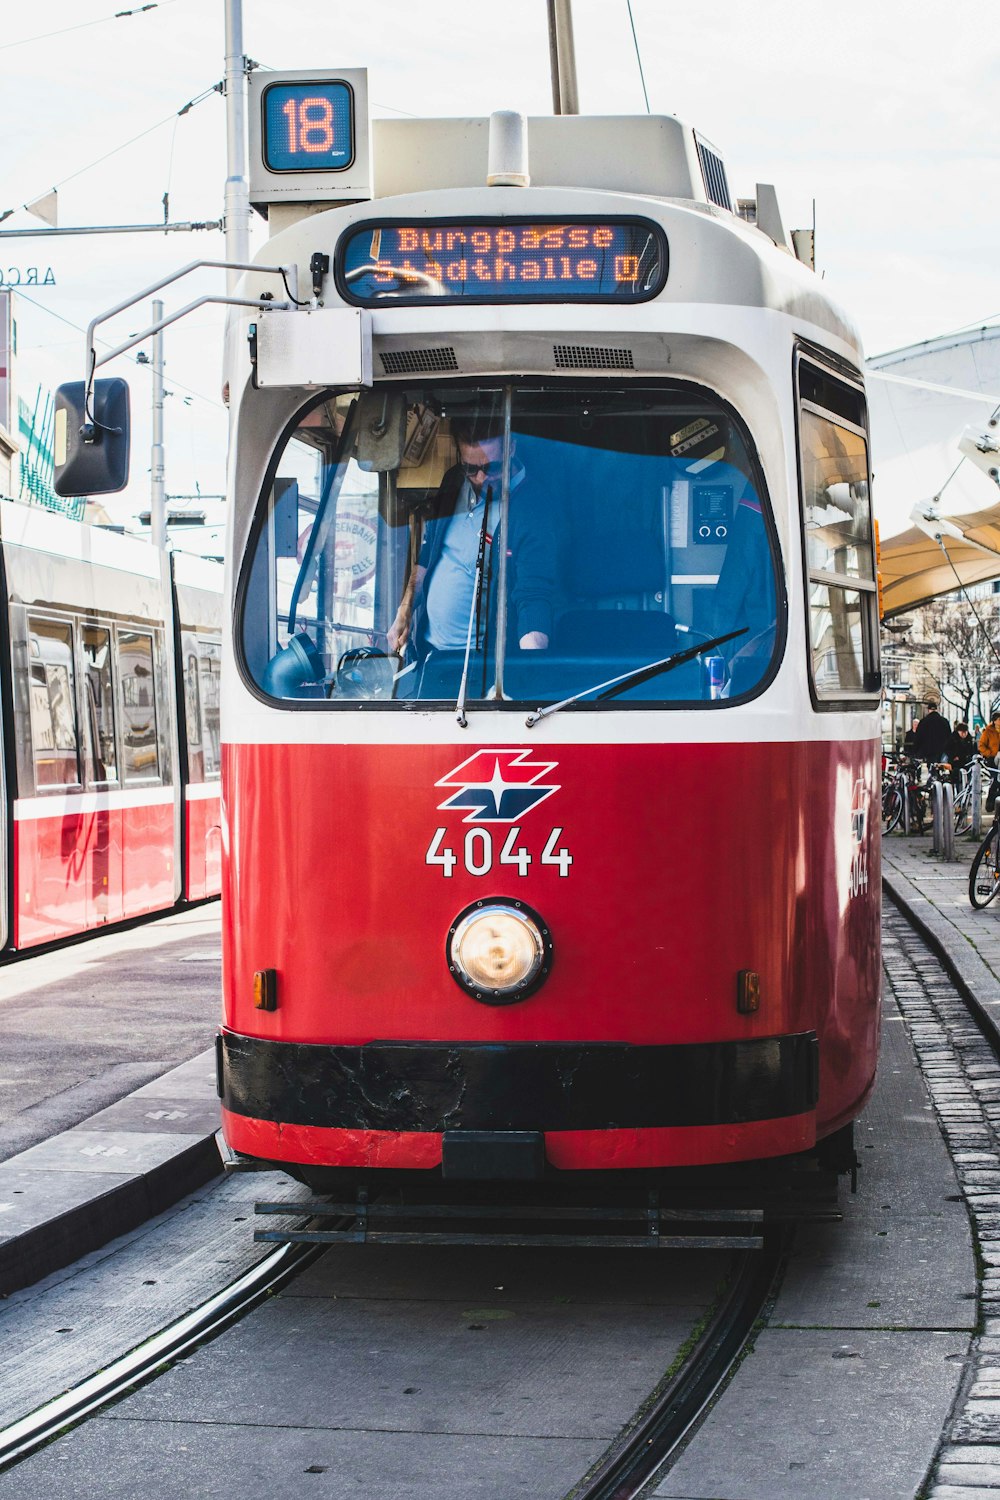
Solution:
(309, 136)
(308, 125)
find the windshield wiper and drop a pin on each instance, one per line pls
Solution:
(475, 613)
(621, 684)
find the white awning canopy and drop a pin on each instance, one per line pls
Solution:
(937, 505)
(936, 556)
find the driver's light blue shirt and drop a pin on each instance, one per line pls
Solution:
(450, 589)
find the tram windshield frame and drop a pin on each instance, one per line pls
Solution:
(638, 526)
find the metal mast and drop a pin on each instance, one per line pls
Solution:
(157, 486)
(565, 98)
(237, 188)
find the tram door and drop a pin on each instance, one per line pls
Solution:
(6, 731)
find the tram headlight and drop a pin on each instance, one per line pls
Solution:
(499, 951)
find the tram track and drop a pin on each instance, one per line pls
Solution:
(21, 1438)
(673, 1410)
(644, 1444)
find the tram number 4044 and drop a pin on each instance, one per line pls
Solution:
(479, 853)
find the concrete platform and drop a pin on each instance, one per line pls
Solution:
(87, 1023)
(83, 1187)
(847, 1390)
(108, 1109)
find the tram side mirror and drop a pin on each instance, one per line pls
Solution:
(381, 431)
(91, 447)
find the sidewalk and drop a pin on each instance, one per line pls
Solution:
(934, 895)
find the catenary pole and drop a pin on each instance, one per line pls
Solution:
(157, 487)
(237, 188)
(562, 58)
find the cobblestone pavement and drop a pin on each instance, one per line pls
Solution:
(962, 1074)
(941, 891)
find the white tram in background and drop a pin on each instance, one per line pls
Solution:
(551, 689)
(110, 668)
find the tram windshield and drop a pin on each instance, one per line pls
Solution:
(453, 545)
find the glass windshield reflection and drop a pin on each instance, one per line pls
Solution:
(532, 544)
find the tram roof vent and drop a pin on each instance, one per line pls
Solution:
(591, 357)
(713, 170)
(418, 361)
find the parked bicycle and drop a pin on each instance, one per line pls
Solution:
(901, 780)
(989, 777)
(984, 877)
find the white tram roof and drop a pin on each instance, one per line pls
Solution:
(656, 166)
(656, 156)
(196, 572)
(40, 530)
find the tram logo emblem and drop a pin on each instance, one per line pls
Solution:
(859, 812)
(498, 786)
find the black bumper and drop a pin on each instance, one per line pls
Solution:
(431, 1086)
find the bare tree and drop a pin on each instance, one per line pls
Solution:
(968, 653)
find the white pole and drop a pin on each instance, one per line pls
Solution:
(237, 188)
(157, 488)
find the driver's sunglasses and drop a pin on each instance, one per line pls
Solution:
(491, 471)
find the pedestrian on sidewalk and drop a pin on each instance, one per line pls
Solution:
(930, 741)
(961, 747)
(989, 748)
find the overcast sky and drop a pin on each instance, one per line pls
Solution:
(885, 113)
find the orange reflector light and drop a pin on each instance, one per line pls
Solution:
(265, 989)
(747, 992)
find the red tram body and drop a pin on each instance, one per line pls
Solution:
(566, 858)
(110, 805)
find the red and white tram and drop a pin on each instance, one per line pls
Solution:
(550, 719)
(550, 724)
(109, 698)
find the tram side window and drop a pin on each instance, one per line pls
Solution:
(839, 547)
(323, 556)
(210, 669)
(192, 707)
(139, 738)
(54, 738)
(100, 704)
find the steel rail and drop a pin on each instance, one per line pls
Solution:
(23, 1437)
(628, 1466)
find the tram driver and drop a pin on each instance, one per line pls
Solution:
(440, 594)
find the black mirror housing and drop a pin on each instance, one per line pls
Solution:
(91, 451)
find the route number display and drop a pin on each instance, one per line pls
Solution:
(308, 126)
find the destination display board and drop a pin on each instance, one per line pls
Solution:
(502, 260)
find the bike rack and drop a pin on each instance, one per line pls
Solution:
(976, 797)
(943, 812)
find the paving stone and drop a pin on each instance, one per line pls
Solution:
(971, 1453)
(985, 1475)
(227, 1460)
(778, 1432)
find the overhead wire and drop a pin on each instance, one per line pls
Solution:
(638, 55)
(44, 36)
(106, 343)
(174, 115)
